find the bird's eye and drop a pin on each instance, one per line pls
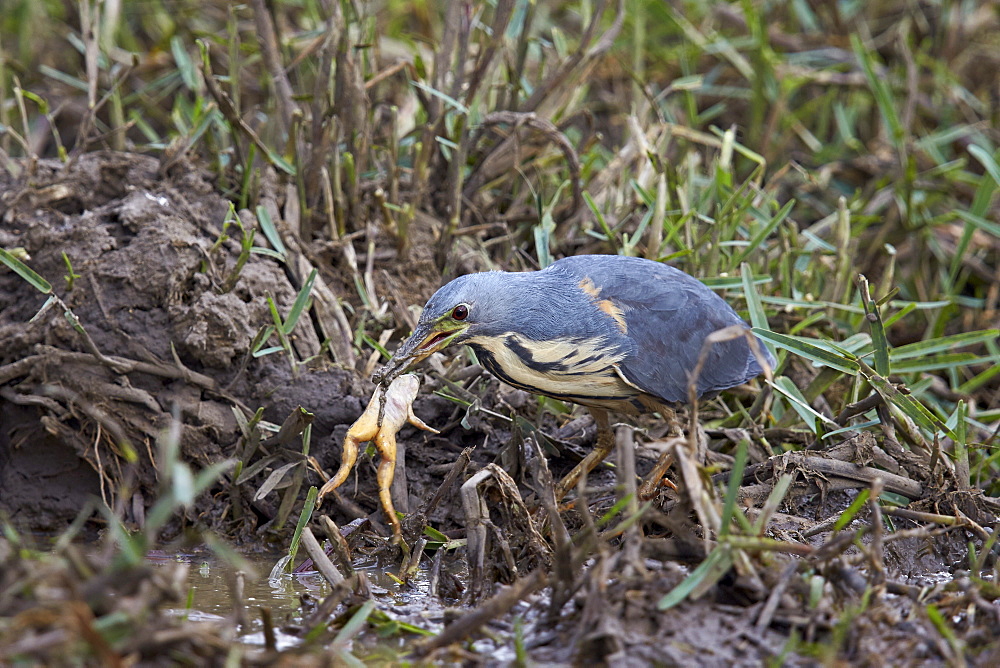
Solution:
(460, 312)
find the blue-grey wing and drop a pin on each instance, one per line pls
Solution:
(667, 316)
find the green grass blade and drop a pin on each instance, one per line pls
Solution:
(447, 99)
(184, 63)
(714, 567)
(942, 362)
(764, 232)
(880, 343)
(786, 387)
(299, 305)
(62, 77)
(735, 479)
(774, 500)
(260, 250)
(906, 403)
(852, 510)
(754, 306)
(897, 316)
(304, 516)
(880, 90)
(961, 445)
(806, 348)
(980, 222)
(986, 160)
(979, 380)
(601, 220)
(734, 282)
(854, 427)
(210, 474)
(270, 231)
(543, 240)
(25, 272)
(355, 623)
(923, 348)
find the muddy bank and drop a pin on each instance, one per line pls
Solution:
(163, 336)
(81, 413)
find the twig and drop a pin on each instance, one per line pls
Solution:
(875, 548)
(831, 467)
(927, 518)
(338, 543)
(625, 452)
(228, 110)
(547, 128)
(475, 530)
(415, 521)
(767, 612)
(99, 416)
(270, 643)
(563, 566)
(582, 56)
(491, 609)
(501, 18)
(320, 560)
(858, 408)
(435, 575)
(239, 599)
(272, 59)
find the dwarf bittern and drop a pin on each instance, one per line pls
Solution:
(608, 332)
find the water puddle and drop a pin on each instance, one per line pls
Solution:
(290, 597)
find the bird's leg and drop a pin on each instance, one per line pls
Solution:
(385, 443)
(655, 479)
(674, 426)
(605, 443)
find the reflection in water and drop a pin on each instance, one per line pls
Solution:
(289, 597)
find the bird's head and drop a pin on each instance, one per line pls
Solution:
(469, 306)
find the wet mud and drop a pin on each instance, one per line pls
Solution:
(163, 336)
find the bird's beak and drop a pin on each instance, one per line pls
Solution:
(427, 338)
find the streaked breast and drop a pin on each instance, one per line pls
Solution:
(581, 371)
